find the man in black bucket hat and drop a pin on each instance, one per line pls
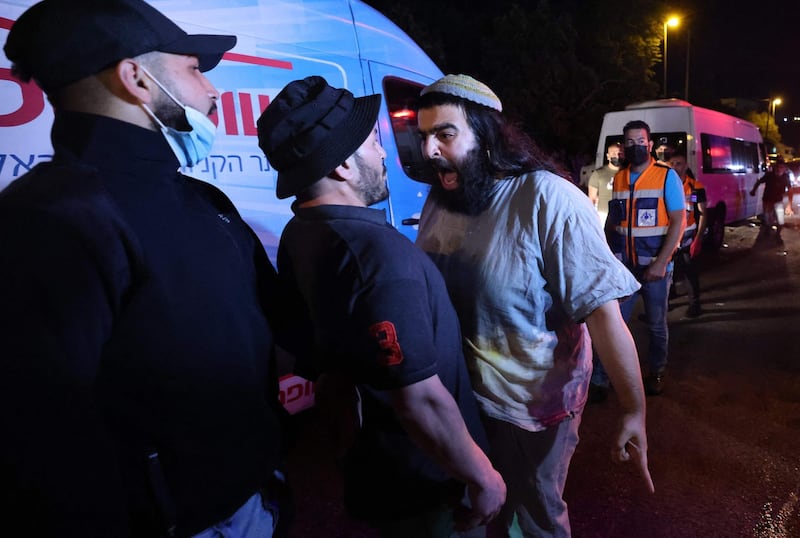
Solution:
(380, 319)
(137, 386)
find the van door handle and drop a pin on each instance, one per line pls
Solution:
(410, 221)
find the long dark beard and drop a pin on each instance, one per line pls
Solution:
(475, 184)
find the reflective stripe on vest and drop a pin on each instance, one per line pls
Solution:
(690, 188)
(639, 235)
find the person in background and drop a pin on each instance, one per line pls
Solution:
(692, 242)
(138, 392)
(378, 314)
(663, 151)
(776, 186)
(646, 218)
(600, 187)
(601, 180)
(531, 278)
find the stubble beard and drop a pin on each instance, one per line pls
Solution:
(372, 185)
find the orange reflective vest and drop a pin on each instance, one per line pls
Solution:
(638, 215)
(695, 193)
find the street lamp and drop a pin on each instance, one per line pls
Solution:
(672, 21)
(773, 104)
(686, 74)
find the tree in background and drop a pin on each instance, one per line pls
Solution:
(766, 124)
(771, 133)
(557, 66)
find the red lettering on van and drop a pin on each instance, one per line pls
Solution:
(229, 113)
(294, 388)
(256, 60)
(245, 111)
(248, 118)
(32, 101)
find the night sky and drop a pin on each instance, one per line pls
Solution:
(738, 49)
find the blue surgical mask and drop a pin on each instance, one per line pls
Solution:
(190, 147)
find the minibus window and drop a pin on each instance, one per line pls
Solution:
(723, 155)
(401, 99)
(674, 139)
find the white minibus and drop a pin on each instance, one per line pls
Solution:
(725, 153)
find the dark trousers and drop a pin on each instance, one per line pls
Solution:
(686, 269)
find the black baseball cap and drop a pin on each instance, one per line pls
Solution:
(58, 42)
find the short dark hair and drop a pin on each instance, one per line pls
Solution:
(636, 124)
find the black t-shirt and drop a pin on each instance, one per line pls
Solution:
(379, 312)
(775, 186)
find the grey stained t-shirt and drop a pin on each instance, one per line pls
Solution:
(523, 275)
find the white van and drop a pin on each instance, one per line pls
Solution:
(347, 42)
(726, 154)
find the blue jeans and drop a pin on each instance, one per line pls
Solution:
(251, 520)
(655, 295)
(534, 466)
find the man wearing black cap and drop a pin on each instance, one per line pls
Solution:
(137, 390)
(379, 315)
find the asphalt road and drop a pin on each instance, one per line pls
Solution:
(724, 437)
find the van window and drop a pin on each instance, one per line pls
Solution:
(723, 155)
(762, 155)
(401, 99)
(676, 140)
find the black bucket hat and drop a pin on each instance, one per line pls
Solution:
(57, 42)
(310, 128)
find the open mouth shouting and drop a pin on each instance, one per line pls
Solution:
(448, 175)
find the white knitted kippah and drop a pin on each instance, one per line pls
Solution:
(466, 87)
